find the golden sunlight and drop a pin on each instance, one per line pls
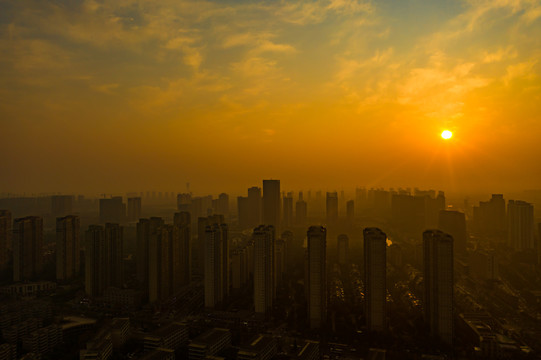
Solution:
(446, 134)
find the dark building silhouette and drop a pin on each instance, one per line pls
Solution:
(271, 203)
(264, 267)
(167, 264)
(27, 248)
(350, 210)
(280, 261)
(243, 212)
(489, 217)
(454, 224)
(294, 250)
(255, 206)
(375, 275)
(199, 244)
(112, 210)
(301, 212)
(182, 221)
(241, 265)
(361, 200)
(413, 213)
(287, 202)
(184, 202)
(222, 205)
(67, 247)
(317, 276)
(249, 208)
(103, 258)
(134, 208)
(114, 242)
(332, 207)
(438, 283)
(216, 261)
(61, 205)
(520, 225)
(343, 249)
(146, 229)
(202, 206)
(5, 238)
(379, 201)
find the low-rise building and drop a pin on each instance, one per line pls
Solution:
(209, 343)
(263, 347)
(171, 336)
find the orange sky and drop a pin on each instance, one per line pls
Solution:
(116, 96)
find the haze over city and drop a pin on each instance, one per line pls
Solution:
(270, 180)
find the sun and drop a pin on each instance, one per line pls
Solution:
(446, 134)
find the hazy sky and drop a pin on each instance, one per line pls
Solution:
(115, 96)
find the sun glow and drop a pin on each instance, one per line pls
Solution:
(446, 134)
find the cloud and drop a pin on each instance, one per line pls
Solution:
(106, 88)
(520, 70)
(257, 43)
(313, 12)
(499, 55)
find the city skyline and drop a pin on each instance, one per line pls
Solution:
(398, 272)
(278, 180)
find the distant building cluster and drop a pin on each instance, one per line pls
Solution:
(197, 277)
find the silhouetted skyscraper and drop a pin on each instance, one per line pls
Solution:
(175, 256)
(159, 271)
(301, 212)
(27, 248)
(489, 216)
(202, 206)
(183, 222)
(255, 206)
(134, 208)
(184, 202)
(454, 224)
(146, 228)
(67, 247)
(5, 238)
(520, 225)
(317, 276)
(165, 263)
(375, 278)
(280, 261)
(114, 242)
(332, 207)
(343, 249)
(288, 210)
(103, 258)
(380, 201)
(439, 282)
(243, 212)
(539, 244)
(350, 210)
(264, 280)
(222, 207)
(215, 238)
(271, 203)
(202, 223)
(433, 207)
(361, 201)
(95, 260)
(112, 210)
(61, 205)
